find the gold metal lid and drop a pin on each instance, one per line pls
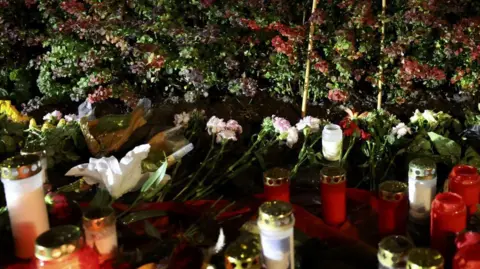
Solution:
(393, 190)
(276, 176)
(97, 218)
(243, 254)
(275, 215)
(21, 167)
(424, 258)
(58, 242)
(333, 175)
(393, 250)
(422, 169)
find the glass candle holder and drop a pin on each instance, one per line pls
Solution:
(64, 247)
(276, 184)
(422, 187)
(392, 208)
(465, 181)
(332, 141)
(333, 194)
(101, 232)
(276, 221)
(42, 154)
(448, 217)
(393, 251)
(23, 183)
(243, 254)
(425, 258)
(467, 257)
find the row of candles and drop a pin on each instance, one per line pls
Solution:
(67, 246)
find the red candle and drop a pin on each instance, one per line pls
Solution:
(333, 193)
(392, 208)
(467, 258)
(465, 181)
(448, 217)
(276, 184)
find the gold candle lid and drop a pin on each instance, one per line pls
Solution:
(333, 175)
(58, 242)
(393, 250)
(21, 167)
(243, 254)
(422, 169)
(97, 218)
(276, 176)
(424, 258)
(393, 190)
(275, 215)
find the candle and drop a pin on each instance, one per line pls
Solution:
(23, 183)
(448, 217)
(392, 252)
(392, 208)
(465, 181)
(333, 194)
(276, 183)
(422, 187)
(276, 221)
(332, 139)
(43, 159)
(467, 257)
(101, 232)
(424, 258)
(64, 247)
(243, 254)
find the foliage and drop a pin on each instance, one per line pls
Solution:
(11, 136)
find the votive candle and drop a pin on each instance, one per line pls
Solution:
(465, 181)
(392, 208)
(425, 258)
(422, 187)
(333, 194)
(276, 184)
(42, 154)
(22, 178)
(243, 254)
(332, 141)
(393, 251)
(101, 232)
(467, 257)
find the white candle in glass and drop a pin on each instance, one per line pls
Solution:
(101, 231)
(332, 141)
(22, 178)
(422, 187)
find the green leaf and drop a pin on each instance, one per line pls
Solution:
(150, 230)
(445, 146)
(142, 215)
(101, 198)
(471, 158)
(152, 186)
(261, 160)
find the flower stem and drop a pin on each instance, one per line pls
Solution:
(301, 157)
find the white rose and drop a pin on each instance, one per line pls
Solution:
(416, 116)
(292, 136)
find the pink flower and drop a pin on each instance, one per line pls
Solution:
(233, 125)
(292, 136)
(55, 115)
(338, 96)
(281, 125)
(181, 119)
(71, 117)
(215, 125)
(226, 135)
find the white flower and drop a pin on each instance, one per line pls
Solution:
(215, 125)
(181, 119)
(281, 125)
(233, 125)
(400, 130)
(416, 116)
(430, 117)
(292, 136)
(55, 115)
(71, 117)
(226, 135)
(310, 122)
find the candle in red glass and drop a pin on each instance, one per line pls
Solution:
(392, 208)
(467, 257)
(333, 190)
(448, 217)
(64, 247)
(465, 181)
(276, 184)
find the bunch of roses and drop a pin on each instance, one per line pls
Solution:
(224, 131)
(56, 116)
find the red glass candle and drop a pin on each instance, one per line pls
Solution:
(448, 217)
(64, 247)
(392, 208)
(465, 181)
(333, 193)
(467, 257)
(276, 184)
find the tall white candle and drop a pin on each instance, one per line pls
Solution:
(43, 160)
(332, 141)
(22, 178)
(422, 187)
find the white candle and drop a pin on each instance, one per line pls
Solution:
(43, 160)
(276, 223)
(101, 231)
(332, 141)
(422, 187)
(23, 183)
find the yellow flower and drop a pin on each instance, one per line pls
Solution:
(47, 125)
(32, 124)
(61, 123)
(11, 112)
